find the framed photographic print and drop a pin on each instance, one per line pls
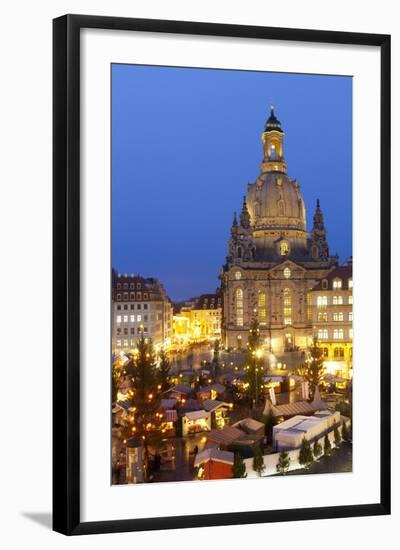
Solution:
(221, 274)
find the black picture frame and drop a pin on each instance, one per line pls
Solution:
(66, 273)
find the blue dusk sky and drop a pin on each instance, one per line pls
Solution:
(185, 143)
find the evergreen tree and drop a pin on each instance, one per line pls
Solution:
(164, 368)
(337, 436)
(345, 432)
(317, 449)
(239, 467)
(312, 371)
(283, 463)
(254, 367)
(306, 457)
(146, 423)
(258, 461)
(327, 446)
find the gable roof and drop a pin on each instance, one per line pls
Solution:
(213, 404)
(343, 272)
(212, 453)
(225, 436)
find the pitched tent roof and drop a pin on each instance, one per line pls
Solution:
(212, 453)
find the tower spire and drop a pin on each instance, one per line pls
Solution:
(319, 243)
(244, 215)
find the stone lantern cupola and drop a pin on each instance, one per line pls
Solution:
(272, 139)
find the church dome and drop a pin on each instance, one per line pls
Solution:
(275, 201)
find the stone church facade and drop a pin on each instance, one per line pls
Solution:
(273, 262)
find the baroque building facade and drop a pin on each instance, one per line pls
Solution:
(332, 319)
(273, 262)
(140, 307)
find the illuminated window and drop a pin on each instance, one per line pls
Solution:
(284, 248)
(132, 318)
(350, 316)
(338, 353)
(118, 343)
(139, 318)
(337, 283)
(287, 273)
(325, 352)
(338, 316)
(351, 300)
(323, 334)
(351, 333)
(337, 300)
(262, 311)
(125, 343)
(119, 318)
(132, 342)
(322, 316)
(322, 301)
(125, 318)
(287, 306)
(309, 314)
(338, 334)
(239, 307)
(350, 282)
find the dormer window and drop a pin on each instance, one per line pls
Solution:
(284, 248)
(350, 282)
(337, 283)
(325, 284)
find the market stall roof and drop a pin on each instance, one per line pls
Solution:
(196, 415)
(215, 454)
(167, 404)
(180, 388)
(212, 404)
(289, 409)
(249, 425)
(219, 388)
(227, 435)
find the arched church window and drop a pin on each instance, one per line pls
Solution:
(287, 306)
(239, 307)
(262, 309)
(284, 248)
(273, 151)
